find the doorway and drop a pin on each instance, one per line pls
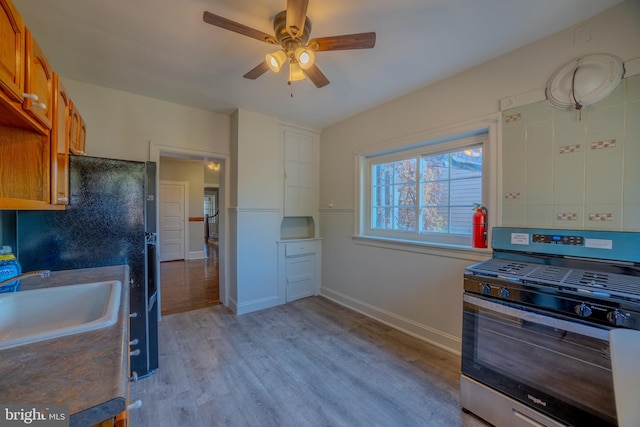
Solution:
(199, 278)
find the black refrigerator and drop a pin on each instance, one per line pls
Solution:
(110, 220)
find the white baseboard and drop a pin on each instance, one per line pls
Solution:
(426, 333)
(197, 255)
(261, 304)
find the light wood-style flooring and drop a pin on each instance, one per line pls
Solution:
(189, 285)
(306, 363)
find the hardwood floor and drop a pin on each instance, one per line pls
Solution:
(306, 363)
(189, 285)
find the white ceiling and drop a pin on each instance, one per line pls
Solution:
(163, 49)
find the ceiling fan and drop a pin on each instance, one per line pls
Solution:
(292, 29)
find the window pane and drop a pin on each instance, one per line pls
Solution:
(461, 219)
(451, 185)
(435, 193)
(393, 198)
(466, 163)
(381, 218)
(435, 219)
(435, 168)
(466, 192)
(405, 219)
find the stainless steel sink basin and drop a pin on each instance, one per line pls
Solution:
(36, 315)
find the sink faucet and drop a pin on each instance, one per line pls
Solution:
(41, 273)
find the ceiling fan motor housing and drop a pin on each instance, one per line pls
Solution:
(288, 42)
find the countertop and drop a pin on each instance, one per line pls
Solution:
(88, 371)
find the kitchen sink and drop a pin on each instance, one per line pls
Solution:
(41, 314)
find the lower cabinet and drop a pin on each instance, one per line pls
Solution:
(299, 268)
(122, 420)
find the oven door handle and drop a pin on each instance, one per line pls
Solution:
(600, 333)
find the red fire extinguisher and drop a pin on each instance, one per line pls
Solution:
(479, 227)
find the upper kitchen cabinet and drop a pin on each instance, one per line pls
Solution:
(77, 131)
(60, 142)
(38, 83)
(300, 182)
(12, 50)
(35, 122)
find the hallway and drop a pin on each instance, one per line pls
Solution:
(189, 285)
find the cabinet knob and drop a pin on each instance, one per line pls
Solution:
(135, 405)
(133, 342)
(135, 352)
(134, 377)
(63, 199)
(133, 315)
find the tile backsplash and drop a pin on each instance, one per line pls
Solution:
(570, 169)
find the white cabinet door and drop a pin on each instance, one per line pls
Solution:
(300, 276)
(298, 160)
(172, 220)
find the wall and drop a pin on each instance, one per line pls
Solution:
(255, 212)
(566, 171)
(421, 292)
(193, 173)
(121, 125)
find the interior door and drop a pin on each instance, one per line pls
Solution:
(172, 221)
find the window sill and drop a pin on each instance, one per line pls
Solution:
(437, 249)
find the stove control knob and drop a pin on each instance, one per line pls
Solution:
(504, 293)
(617, 317)
(582, 310)
(485, 288)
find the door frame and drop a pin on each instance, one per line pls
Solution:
(185, 216)
(157, 150)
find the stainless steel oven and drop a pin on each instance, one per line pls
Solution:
(536, 322)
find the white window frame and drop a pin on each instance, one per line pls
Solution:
(441, 140)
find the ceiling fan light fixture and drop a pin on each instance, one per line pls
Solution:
(306, 57)
(276, 60)
(295, 72)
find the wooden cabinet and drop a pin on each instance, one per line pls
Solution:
(299, 188)
(122, 420)
(60, 136)
(12, 51)
(77, 132)
(35, 111)
(38, 85)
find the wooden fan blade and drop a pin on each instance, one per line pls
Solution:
(344, 42)
(236, 27)
(259, 70)
(296, 16)
(316, 76)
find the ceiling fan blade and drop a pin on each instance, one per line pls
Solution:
(259, 70)
(296, 16)
(316, 76)
(344, 42)
(230, 25)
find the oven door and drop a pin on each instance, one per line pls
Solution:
(558, 366)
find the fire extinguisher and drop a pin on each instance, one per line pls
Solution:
(479, 227)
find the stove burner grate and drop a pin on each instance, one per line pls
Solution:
(601, 283)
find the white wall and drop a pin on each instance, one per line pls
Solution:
(421, 292)
(120, 124)
(254, 217)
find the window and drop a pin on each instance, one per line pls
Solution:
(427, 192)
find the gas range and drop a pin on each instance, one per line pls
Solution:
(593, 275)
(536, 323)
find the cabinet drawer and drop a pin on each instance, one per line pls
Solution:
(299, 248)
